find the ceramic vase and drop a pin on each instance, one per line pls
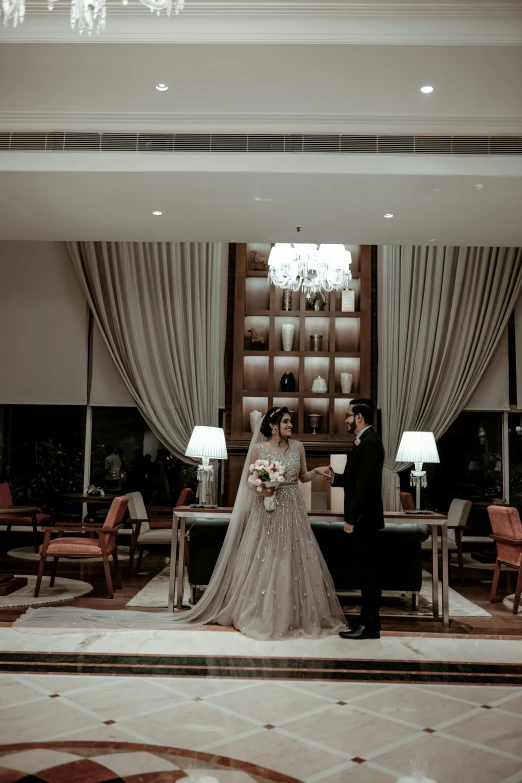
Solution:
(346, 382)
(288, 382)
(288, 336)
(319, 385)
(316, 342)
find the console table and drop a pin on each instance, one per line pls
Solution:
(438, 524)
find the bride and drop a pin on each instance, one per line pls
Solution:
(271, 581)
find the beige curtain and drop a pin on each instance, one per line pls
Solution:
(157, 305)
(442, 311)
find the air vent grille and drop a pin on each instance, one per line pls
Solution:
(308, 143)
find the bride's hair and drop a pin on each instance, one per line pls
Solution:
(273, 416)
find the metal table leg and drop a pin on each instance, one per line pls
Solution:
(445, 575)
(435, 570)
(181, 563)
(173, 559)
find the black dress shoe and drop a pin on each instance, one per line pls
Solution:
(361, 632)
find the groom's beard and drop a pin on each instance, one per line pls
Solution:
(351, 429)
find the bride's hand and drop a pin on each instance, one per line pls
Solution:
(266, 492)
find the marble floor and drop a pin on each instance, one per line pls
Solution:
(84, 729)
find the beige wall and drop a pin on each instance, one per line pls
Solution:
(43, 326)
(44, 332)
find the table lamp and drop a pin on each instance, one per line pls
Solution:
(417, 447)
(206, 443)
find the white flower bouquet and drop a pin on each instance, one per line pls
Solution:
(265, 473)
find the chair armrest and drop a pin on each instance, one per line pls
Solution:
(503, 540)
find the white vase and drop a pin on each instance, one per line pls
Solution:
(346, 382)
(287, 336)
(254, 418)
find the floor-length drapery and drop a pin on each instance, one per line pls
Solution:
(157, 305)
(442, 311)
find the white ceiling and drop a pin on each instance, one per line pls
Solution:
(263, 198)
(368, 82)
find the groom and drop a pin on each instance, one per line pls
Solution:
(363, 512)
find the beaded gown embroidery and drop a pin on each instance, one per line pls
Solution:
(281, 587)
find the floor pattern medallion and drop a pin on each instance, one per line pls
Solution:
(121, 762)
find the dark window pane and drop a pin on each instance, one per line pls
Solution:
(470, 467)
(127, 457)
(42, 451)
(515, 458)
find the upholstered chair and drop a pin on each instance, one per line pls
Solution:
(79, 547)
(458, 514)
(154, 530)
(5, 519)
(407, 501)
(507, 532)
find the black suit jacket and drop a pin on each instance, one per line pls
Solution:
(362, 480)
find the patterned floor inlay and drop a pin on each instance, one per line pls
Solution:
(91, 729)
(121, 762)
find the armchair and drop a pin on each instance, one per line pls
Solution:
(458, 514)
(150, 531)
(32, 521)
(507, 532)
(78, 547)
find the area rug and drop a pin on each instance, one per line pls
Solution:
(63, 590)
(509, 601)
(470, 562)
(394, 604)
(28, 553)
(155, 594)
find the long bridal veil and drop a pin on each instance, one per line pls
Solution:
(213, 600)
(59, 620)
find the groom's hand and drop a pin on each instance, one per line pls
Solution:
(348, 528)
(326, 472)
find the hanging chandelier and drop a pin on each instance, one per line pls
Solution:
(87, 14)
(310, 268)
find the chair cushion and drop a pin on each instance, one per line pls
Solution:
(88, 547)
(157, 536)
(7, 519)
(160, 523)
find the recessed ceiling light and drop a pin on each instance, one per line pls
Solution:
(162, 87)
(478, 186)
(437, 190)
(432, 240)
(426, 89)
(157, 212)
(388, 215)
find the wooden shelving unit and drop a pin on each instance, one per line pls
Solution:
(257, 373)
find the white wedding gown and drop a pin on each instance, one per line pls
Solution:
(281, 586)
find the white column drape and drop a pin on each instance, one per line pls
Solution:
(442, 311)
(157, 305)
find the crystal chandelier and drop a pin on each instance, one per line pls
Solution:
(310, 268)
(88, 14)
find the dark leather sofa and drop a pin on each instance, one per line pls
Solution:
(400, 553)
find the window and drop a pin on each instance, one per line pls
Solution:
(42, 451)
(515, 458)
(127, 457)
(470, 466)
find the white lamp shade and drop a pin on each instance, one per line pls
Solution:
(207, 442)
(417, 447)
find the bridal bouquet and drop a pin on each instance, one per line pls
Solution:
(267, 474)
